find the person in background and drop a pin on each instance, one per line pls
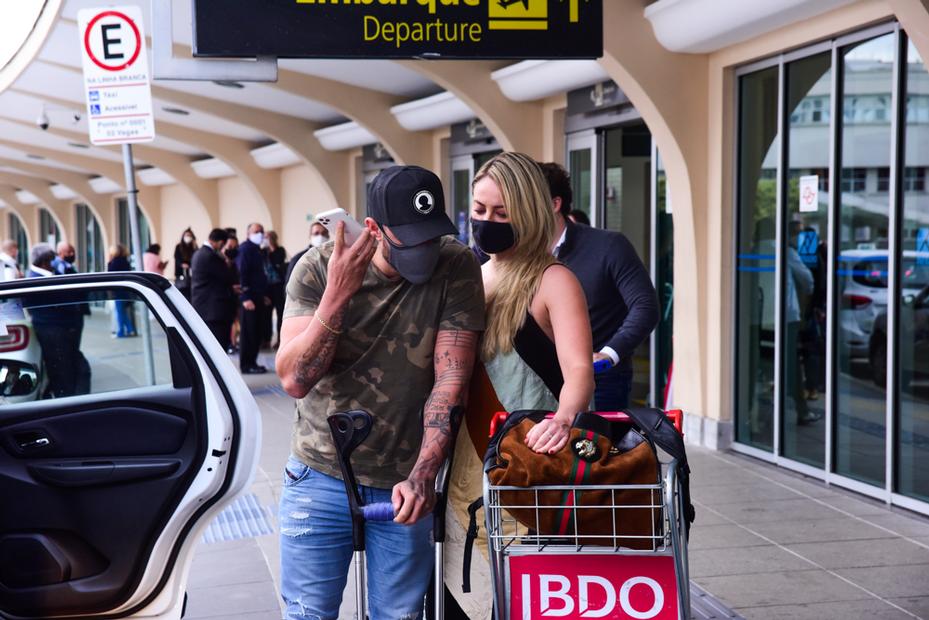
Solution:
(230, 253)
(58, 328)
(118, 260)
(183, 254)
(621, 299)
(64, 261)
(276, 267)
(9, 267)
(211, 286)
(151, 260)
(254, 295)
(319, 236)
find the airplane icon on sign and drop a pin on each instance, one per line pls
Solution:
(505, 4)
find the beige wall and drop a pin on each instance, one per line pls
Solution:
(303, 196)
(180, 209)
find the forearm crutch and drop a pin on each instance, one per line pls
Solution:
(349, 429)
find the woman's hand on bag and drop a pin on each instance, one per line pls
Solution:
(548, 436)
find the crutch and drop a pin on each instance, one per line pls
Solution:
(438, 536)
(349, 429)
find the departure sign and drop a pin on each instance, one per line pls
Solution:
(399, 28)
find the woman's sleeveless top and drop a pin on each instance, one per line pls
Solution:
(529, 376)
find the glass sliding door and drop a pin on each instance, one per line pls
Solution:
(861, 271)
(18, 234)
(912, 436)
(48, 228)
(663, 277)
(90, 251)
(756, 205)
(462, 173)
(627, 209)
(582, 157)
(808, 86)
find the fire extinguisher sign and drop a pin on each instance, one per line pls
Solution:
(578, 586)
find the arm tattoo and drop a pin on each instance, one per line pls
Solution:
(444, 409)
(315, 361)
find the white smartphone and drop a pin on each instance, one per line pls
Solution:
(331, 219)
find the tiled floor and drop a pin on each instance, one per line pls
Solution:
(767, 542)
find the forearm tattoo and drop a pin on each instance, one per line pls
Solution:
(315, 361)
(444, 409)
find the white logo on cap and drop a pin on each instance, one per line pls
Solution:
(424, 201)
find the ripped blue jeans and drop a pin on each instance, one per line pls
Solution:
(316, 551)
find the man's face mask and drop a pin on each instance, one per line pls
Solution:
(493, 237)
(256, 237)
(70, 258)
(414, 263)
(318, 240)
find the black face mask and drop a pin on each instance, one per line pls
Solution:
(493, 237)
(232, 252)
(70, 258)
(415, 263)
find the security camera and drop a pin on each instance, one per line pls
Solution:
(42, 121)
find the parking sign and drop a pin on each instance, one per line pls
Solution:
(116, 81)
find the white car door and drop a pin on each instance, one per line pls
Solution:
(122, 434)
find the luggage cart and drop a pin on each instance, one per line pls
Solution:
(538, 576)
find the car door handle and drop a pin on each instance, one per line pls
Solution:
(32, 440)
(92, 473)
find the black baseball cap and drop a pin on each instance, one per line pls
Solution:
(410, 201)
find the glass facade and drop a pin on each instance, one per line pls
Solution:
(912, 436)
(756, 204)
(91, 255)
(18, 234)
(804, 262)
(48, 228)
(831, 368)
(125, 233)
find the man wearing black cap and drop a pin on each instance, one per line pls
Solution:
(390, 325)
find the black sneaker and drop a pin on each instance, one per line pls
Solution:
(254, 370)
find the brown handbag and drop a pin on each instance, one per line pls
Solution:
(598, 452)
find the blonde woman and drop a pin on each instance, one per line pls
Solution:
(536, 347)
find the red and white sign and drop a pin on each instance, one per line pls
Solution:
(616, 587)
(809, 193)
(116, 82)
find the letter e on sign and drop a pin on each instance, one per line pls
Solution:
(116, 80)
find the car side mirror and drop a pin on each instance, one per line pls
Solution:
(17, 379)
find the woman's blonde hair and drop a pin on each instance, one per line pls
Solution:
(529, 208)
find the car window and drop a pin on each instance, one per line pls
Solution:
(76, 342)
(870, 273)
(915, 273)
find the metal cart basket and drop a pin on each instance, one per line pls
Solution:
(591, 575)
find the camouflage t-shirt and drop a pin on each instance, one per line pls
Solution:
(383, 363)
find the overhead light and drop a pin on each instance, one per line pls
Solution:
(34, 156)
(178, 111)
(228, 84)
(78, 145)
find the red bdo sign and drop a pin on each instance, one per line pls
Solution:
(593, 586)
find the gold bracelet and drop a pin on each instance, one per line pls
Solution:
(326, 325)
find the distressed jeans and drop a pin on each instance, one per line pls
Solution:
(316, 551)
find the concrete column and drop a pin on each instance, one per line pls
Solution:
(670, 91)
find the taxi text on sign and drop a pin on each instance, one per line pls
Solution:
(399, 28)
(116, 81)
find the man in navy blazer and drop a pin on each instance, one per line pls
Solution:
(211, 286)
(254, 281)
(621, 299)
